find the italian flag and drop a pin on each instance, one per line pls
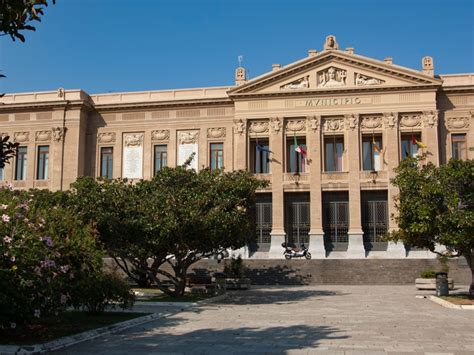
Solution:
(299, 148)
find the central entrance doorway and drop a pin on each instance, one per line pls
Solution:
(297, 218)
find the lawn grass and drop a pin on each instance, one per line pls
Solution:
(459, 299)
(68, 323)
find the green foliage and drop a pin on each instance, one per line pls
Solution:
(436, 206)
(235, 269)
(428, 274)
(7, 150)
(177, 218)
(97, 291)
(17, 15)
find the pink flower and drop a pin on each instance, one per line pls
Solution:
(3, 207)
(9, 186)
(7, 239)
(5, 218)
(64, 269)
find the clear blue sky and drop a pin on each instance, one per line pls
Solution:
(118, 45)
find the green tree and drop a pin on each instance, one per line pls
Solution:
(436, 206)
(173, 220)
(18, 15)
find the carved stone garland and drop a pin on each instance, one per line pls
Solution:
(457, 122)
(43, 136)
(410, 121)
(188, 137)
(258, 127)
(20, 137)
(160, 135)
(371, 122)
(333, 124)
(133, 139)
(295, 125)
(217, 132)
(106, 137)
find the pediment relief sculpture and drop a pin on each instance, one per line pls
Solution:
(332, 77)
(390, 120)
(160, 135)
(258, 127)
(352, 121)
(43, 136)
(302, 83)
(20, 137)
(133, 139)
(58, 133)
(106, 137)
(371, 122)
(276, 124)
(430, 118)
(410, 121)
(333, 124)
(313, 123)
(295, 125)
(239, 126)
(363, 80)
(188, 137)
(217, 132)
(457, 122)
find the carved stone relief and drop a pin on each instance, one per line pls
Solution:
(276, 124)
(188, 137)
(352, 121)
(239, 126)
(160, 135)
(258, 127)
(330, 43)
(371, 122)
(58, 133)
(217, 132)
(430, 118)
(410, 121)
(295, 125)
(332, 77)
(390, 120)
(106, 137)
(302, 83)
(20, 137)
(43, 136)
(333, 124)
(133, 139)
(313, 123)
(457, 122)
(362, 80)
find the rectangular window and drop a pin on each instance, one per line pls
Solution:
(106, 162)
(296, 161)
(259, 156)
(409, 145)
(161, 157)
(20, 166)
(2, 174)
(333, 153)
(217, 156)
(458, 142)
(43, 162)
(371, 153)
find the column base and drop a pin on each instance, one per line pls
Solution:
(396, 250)
(316, 245)
(276, 250)
(355, 248)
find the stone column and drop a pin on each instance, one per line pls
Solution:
(316, 234)
(355, 248)
(391, 158)
(278, 202)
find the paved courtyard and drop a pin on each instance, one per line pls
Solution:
(300, 320)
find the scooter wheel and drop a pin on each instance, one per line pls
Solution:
(287, 256)
(308, 256)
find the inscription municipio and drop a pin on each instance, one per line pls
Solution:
(336, 101)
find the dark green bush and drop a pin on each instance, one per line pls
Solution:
(235, 269)
(428, 274)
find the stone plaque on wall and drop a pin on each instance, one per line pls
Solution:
(188, 145)
(132, 156)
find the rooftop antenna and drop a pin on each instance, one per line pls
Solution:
(240, 59)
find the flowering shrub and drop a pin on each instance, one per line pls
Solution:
(45, 253)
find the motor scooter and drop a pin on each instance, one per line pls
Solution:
(295, 252)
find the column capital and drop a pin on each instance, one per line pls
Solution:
(314, 122)
(430, 118)
(276, 124)
(390, 119)
(352, 120)
(240, 126)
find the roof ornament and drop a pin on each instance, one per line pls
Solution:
(240, 73)
(428, 66)
(331, 43)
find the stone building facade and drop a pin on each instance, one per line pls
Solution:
(326, 131)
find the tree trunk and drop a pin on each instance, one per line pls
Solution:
(470, 261)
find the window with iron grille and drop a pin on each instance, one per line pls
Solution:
(263, 222)
(374, 213)
(106, 162)
(161, 157)
(20, 166)
(297, 218)
(458, 143)
(335, 218)
(43, 163)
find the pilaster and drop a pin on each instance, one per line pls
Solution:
(240, 144)
(429, 135)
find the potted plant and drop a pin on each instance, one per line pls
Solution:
(235, 275)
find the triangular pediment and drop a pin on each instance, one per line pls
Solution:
(334, 70)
